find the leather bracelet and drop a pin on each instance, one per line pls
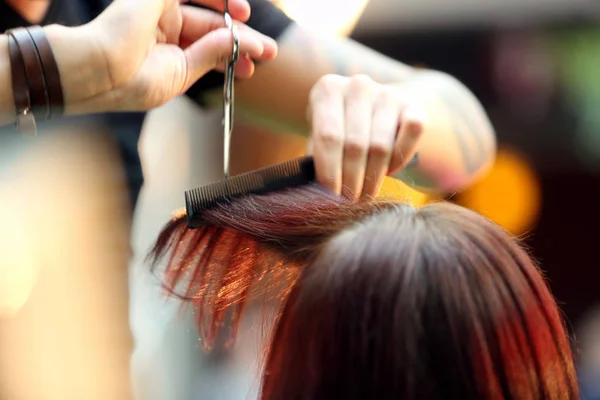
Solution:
(36, 80)
(25, 119)
(50, 69)
(33, 69)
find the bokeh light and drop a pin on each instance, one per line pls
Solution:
(510, 194)
(395, 188)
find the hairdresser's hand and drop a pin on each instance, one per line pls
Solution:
(154, 50)
(361, 132)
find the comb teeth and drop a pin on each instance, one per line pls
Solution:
(299, 171)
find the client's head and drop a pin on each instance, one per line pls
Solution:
(380, 300)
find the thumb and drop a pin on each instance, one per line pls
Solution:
(209, 51)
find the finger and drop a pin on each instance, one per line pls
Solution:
(238, 9)
(384, 127)
(326, 115)
(208, 52)
(198, 22)
(411, 129)
(244, 68)
(358, 114)
(309, 147)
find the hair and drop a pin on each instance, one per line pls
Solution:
(380, 300)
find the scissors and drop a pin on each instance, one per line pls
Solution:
(228, 89)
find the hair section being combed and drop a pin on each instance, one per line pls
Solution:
(253, 247)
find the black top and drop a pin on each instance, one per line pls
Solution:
(125, 128)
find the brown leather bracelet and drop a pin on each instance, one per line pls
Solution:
(25, 119)
(33, 69)
(50, 70)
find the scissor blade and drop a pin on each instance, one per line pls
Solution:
(228, 106)
(228, 94)
(226, 137)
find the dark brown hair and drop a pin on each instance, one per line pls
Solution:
(381, 300)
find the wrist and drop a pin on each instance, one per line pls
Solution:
(84, 73)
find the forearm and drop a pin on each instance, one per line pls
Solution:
(83, 71)
(456, 120)
(458, 144)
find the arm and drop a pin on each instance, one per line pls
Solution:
(458, 143)
(127, 61)
(81, 67)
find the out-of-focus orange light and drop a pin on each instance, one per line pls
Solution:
(395, 188)
(510, 194)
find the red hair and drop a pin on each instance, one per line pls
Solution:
(380, 299)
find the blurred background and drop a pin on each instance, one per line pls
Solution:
(535, 65)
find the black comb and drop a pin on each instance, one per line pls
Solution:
(297, 172)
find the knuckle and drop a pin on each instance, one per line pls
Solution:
(362, 85)
(362, 80)
(380, 149)
(355, 148)
(331, 80)
(326, 85)
(387, 97)
(329, 137)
